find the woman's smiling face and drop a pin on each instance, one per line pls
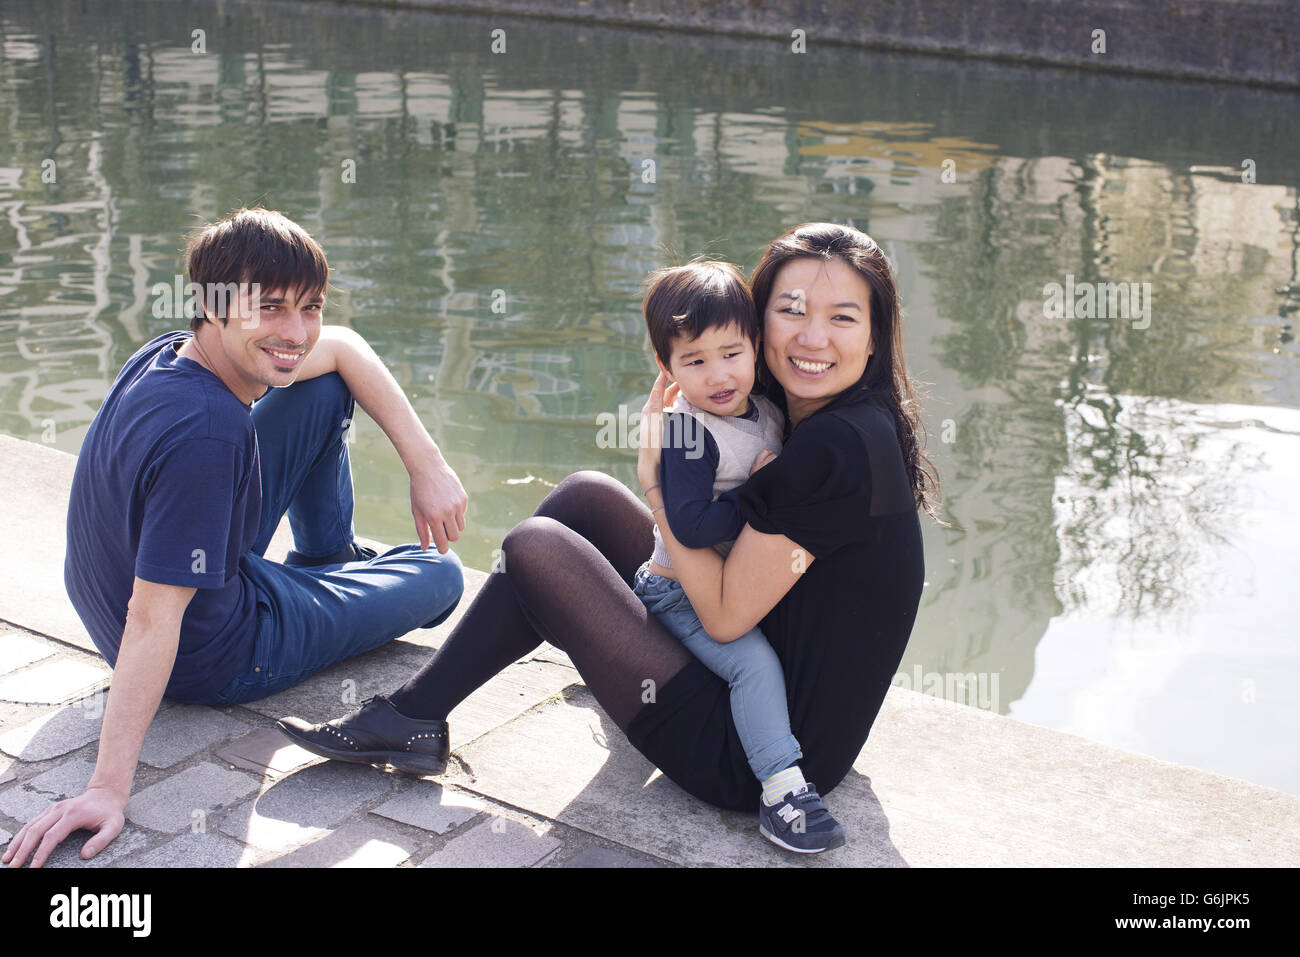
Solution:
(817, 331)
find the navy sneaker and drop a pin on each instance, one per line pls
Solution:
(800, 822)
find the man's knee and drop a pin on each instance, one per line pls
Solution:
(317, 392)
(445, 569)
(443, 583)
(330, 383)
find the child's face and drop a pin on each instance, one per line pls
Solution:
(716, 371)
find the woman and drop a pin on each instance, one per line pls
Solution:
(830, 561)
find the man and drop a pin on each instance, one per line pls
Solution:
(205, 440)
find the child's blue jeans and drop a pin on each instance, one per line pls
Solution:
(313, 617)
(749, 665)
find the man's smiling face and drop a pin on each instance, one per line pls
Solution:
(266, 338)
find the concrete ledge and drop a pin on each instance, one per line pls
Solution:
(937, 785)
(541, 777)
(1253, 41)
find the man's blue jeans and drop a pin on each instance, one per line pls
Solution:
(750, 666)
(311, 618)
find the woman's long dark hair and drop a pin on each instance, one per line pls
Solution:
(886, 372)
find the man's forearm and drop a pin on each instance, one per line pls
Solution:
(378, 393)
(140, 675)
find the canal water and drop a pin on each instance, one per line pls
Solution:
(1118, 471)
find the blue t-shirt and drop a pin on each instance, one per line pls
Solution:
(168, 489)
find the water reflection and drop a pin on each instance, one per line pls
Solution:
(490, 220)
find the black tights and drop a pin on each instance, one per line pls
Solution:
(566, 578)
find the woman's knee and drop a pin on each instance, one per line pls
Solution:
(588, 479)
(579, 493)
(530, 540)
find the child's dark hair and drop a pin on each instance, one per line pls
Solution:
(687, 300)
(255, 246)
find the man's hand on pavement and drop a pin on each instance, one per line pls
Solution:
(98, 809)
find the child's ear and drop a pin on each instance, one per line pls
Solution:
(662, 368)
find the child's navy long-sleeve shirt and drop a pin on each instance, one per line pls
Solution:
(688, 465)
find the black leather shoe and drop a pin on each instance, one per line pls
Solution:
(352, 553)
(376, 733)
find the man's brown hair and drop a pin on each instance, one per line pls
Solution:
(258, 246)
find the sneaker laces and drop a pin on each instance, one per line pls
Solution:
(809, 802)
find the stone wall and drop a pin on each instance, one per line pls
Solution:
(1254, 41)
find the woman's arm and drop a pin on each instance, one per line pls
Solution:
(730, 596)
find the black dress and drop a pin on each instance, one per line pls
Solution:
(839, 490)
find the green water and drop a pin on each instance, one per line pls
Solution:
(1123, 551)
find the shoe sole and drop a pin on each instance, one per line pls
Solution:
(838, 842)
(406, 761)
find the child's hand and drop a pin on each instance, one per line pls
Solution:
(662, 396)
(760, 460)
(670, 394)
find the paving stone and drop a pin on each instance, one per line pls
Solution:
(268, 752)
(68, 853)
(17, 651)
(204, 849)
(23, 801)
(496, 843)
(51, 734)
(64, 779)
(4, 836)
(6, 769)
(53, 682)
(22, 804)
(170, 804)
(359, 844)
(304, 806)
(184, 730)
(13, 715)
(430, 806)
(594, 856)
